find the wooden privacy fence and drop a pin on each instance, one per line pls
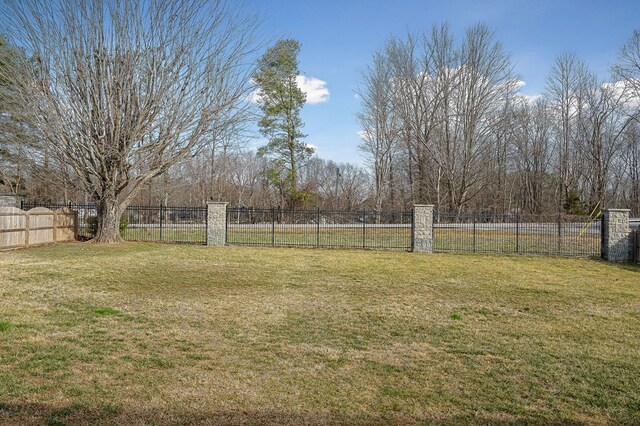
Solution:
(19, 228)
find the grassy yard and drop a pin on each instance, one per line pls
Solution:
(141, 333)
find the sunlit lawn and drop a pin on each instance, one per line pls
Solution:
(141, 333)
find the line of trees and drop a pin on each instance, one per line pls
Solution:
(242, 177)
(133, 113)
(443, 122)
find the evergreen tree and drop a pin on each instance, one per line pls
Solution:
(281, 101)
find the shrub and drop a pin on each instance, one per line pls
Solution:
(92, 224)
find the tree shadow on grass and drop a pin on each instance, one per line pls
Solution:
(76, 414)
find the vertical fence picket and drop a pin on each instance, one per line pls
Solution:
(318, 228)
(27, 230)
(273, 226)
(364, 227)
(517, 233)
(161, 220)
(474, 233)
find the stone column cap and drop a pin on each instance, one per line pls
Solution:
(617, 210)
(424, 205)
(224, 203)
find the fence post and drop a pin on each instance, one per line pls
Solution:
(615, 235)
(216, 223)
(11, 200)
(422, 238)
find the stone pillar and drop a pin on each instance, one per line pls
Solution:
(216, 224)
(8, 199)
(422, 238)
(615, 239)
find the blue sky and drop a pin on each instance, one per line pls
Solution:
(339, 37)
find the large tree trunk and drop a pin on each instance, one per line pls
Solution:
(108, 221)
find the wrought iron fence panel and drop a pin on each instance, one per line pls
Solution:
(561, 235)
(175, 224)
(319, 228)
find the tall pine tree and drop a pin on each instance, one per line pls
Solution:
(281, 101)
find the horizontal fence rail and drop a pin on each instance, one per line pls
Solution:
(186, 225)
(319, 228)
(560, 235)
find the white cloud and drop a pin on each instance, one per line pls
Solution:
(625, 90)
(529, 99)
(519, 84)
(315, 89)
(254, 97)
(364, 135)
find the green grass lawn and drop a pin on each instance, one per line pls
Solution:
(141, 333)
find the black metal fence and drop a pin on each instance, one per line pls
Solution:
(171, 224)
(145, 223)
(320, 228)
(560, 235)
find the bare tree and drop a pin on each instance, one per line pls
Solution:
(123, 89)
(566, 84)
(379, 122)
(17, 144)
(422, 67)
(482, 83)
(627, 71)
(627, 67)
(601, 130)
(532, 154)
(630, 168)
